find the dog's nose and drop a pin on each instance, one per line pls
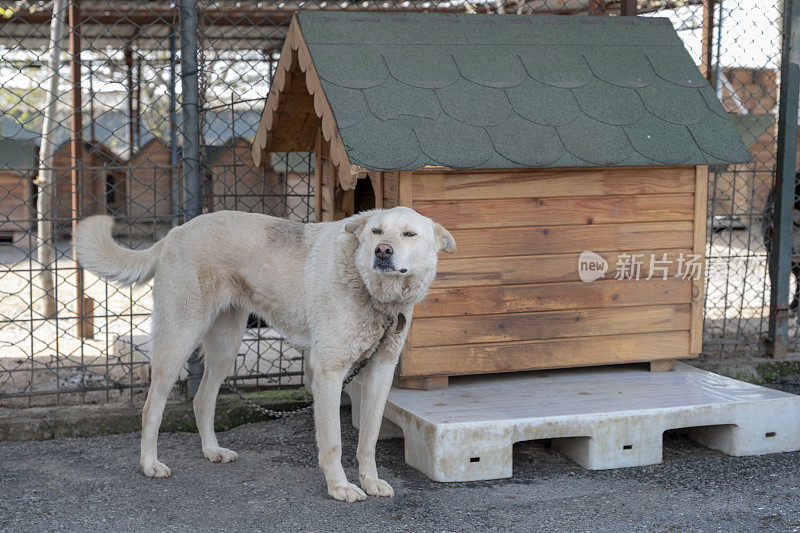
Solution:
(383, 251)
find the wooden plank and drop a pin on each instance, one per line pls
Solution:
(510, 212)
(319, 147)
(328, 168)
(477, 185)
(348, 203)
(85, 325)
(376, 178)
(664, 365)
(404, 188)
(567, 239)
(510, 270)
(460, 301)
(389, 190)
(328, 199)
(532, 355)
(699, 249)
(444, 331)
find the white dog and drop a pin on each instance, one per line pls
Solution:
(328, 287)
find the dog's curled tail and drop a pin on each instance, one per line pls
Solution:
(99, 253)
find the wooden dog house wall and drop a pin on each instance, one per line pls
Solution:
(530, 140)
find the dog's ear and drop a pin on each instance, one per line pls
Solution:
(446, 241)
(354, 227)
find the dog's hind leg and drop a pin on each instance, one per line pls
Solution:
(220, 347)
(171, 348)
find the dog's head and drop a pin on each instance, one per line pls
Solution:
(397, 252)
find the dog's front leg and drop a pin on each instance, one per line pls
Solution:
(327, 391)
(375, 388)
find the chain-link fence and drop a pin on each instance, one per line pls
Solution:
(95, 101)
(737, 45)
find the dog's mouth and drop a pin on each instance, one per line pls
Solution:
(386, 266)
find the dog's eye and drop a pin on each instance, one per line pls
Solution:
(409, 234)
(377, 231)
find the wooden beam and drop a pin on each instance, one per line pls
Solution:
(377, 187)
(493, 242)
(706, 56)
(128, 54)
(578, 351)
(484, 329)
(318, 177)
(537, 268)
(699, 249)
(86, 319)
(76, 152)
(348, 202)
(548, 183)
(404, 188)
(559, 211)
(664, 365)
(533, 297)
(628, 8)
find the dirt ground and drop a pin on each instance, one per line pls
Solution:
(93, 485)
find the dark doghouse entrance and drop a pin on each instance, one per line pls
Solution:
(364, 196)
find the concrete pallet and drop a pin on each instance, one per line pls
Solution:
(605, 417)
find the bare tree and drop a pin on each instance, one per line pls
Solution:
(46, 194)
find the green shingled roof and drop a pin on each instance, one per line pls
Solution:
(752, 126)
(503, 91)
(18, 155)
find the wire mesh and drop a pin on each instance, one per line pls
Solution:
(64, 339)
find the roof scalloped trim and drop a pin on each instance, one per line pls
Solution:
(295, 51)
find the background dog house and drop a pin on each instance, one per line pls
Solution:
(18, 167)
(102, 187)
(532, 139)
(150, 185)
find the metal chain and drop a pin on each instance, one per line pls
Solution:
(389, 321)
(263, 410)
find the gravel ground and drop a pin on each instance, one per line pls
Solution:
(93, 485)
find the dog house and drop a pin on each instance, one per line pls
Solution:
(102, 187)
(567, 155)
(18, 167)
(150, 185)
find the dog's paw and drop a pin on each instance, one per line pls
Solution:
(155, 469)
(220, 455)
(347, 492)
(377, 487)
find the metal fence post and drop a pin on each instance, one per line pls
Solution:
(174, 209)
(780, 261)
(190, 131)
(628, 8)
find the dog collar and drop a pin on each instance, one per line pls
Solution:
(389, 321)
